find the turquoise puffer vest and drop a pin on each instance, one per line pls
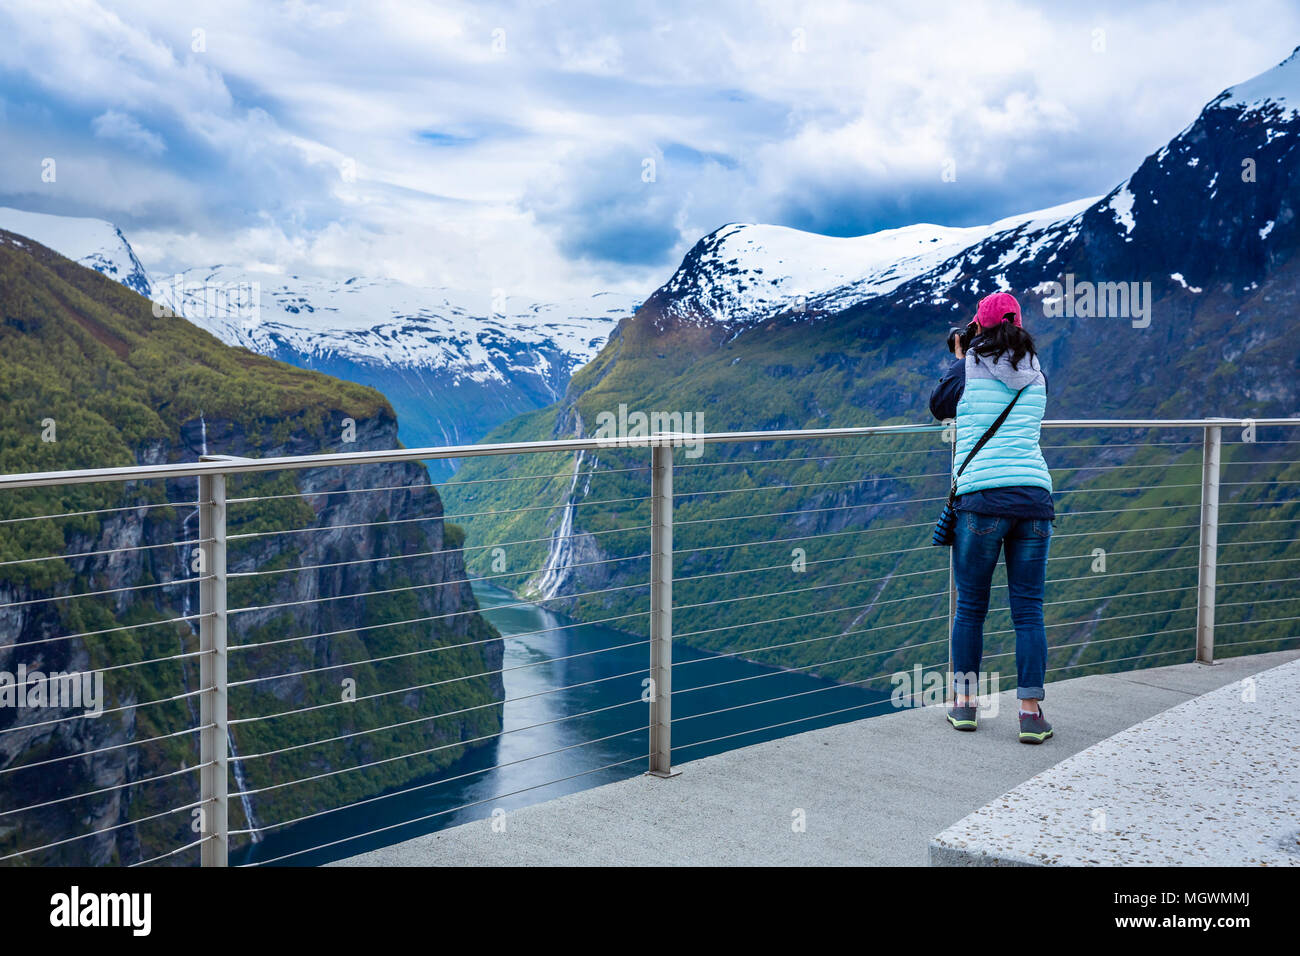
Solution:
(1012, 455)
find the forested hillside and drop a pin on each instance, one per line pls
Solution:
(90, 378)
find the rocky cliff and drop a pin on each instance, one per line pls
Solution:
(336, 574)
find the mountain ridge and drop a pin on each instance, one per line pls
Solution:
(1211, 251)
(90, 377)
(452, 366)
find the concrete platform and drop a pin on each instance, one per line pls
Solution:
(1214, 781)
(873, 792)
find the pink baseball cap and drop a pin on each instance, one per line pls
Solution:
(993, 310)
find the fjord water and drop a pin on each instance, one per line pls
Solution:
(574, 719)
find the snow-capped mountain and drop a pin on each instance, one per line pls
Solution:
(744, 273)
(1212, 212)
(390, 323)
(1198, 248)
(453, 366)
(1273, 94)
(1187, 269)
(1218, 200)
(1208, 220)
(92, 242)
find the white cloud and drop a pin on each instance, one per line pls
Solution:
(489, 139)
(117, 126)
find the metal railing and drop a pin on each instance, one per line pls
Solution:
(777, 642)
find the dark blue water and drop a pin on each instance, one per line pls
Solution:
(575, 719)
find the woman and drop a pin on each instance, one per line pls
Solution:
(1004, 501)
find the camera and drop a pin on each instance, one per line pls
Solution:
(958, 334)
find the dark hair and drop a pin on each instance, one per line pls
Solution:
(992, 343)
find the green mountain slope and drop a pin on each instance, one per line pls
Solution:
(865, 595)
(90, 378)
(1218, 253)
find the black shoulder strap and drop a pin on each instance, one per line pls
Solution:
(987, 435)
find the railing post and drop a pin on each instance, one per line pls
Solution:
(661, 610)
(213, 739)
(1209, 545)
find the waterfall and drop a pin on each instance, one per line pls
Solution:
(561, 550)
(187, 608)
(187, 596)
(247, 804)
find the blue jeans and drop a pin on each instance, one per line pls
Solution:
(979, 539)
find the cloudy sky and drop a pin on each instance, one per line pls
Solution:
(560, 148)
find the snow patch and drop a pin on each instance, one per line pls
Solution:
(1122, 205)
(92, 242)
(1278, 87)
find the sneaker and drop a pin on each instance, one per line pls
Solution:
(962, 718)
(1034, 728)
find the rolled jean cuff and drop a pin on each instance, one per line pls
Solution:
(1029, 693)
